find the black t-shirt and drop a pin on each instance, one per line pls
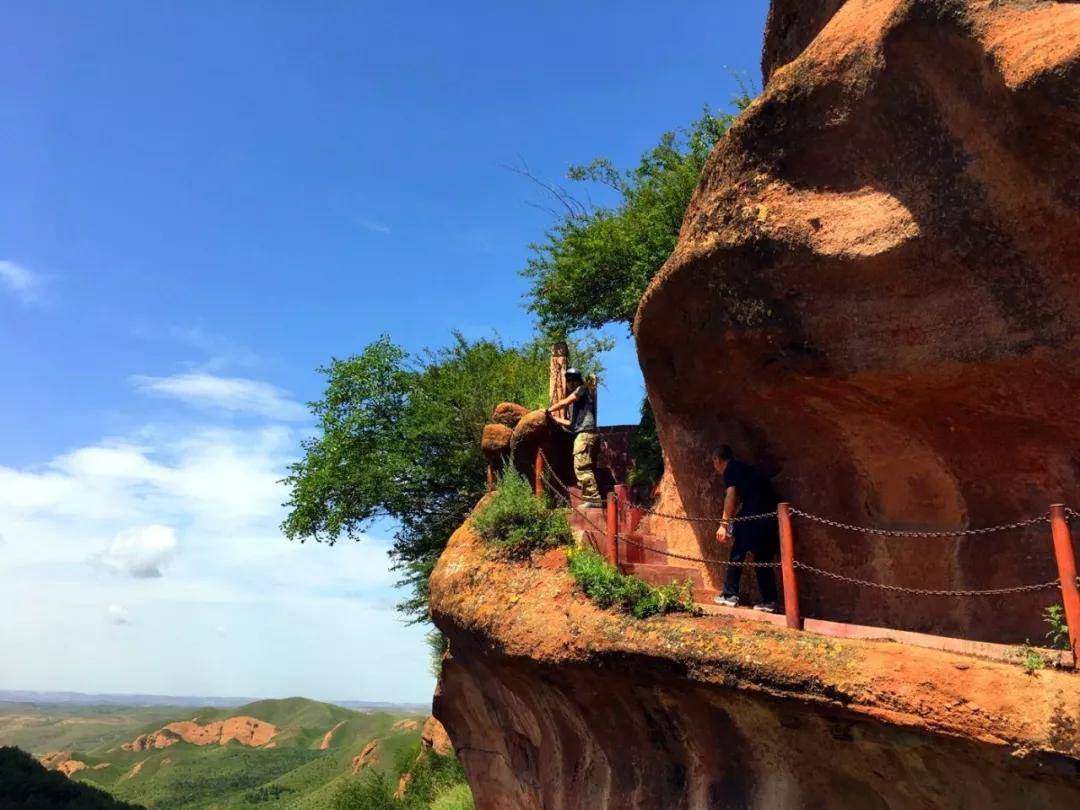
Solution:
(755, 490)
(582, 411)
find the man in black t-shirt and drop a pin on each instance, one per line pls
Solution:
(747, 491)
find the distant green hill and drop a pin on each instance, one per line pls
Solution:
(307, 762)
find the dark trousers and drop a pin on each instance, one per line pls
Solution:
(759, 538)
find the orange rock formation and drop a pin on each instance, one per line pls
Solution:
(434, 737)
(551, 702)
(365, 757)
(874, 294)
(245, 730)
(328, 736)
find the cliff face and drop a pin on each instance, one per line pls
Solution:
(874, 294)
(551, 703)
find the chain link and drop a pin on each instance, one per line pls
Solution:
(926, 591)
(666, 553)
(689, 519)
(1071, 514)
(624, 539)
(1020, 524)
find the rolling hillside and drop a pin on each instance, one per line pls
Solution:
(288, 753)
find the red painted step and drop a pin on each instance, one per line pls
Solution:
(664, 574)
(631, 553)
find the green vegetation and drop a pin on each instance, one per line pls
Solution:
(399, 436)
(459, 797)
(608, 587)
(1058, 635)
(646, 451)
(295, 772)
(516, 522)
(64, 727)
(596, 261)
(433, 781)
(24, 783)
(1031, 659)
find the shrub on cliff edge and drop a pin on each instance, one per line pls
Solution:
(516, 522)
(398, 436)
(608, 587)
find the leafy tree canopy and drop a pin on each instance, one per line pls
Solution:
(399, 436)
(596, 261)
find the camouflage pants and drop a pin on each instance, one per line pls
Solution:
(584, 461)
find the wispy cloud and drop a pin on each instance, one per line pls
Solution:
(374, 226)
(19, 280)
(236, 394)
(117, 614)
(221, 352)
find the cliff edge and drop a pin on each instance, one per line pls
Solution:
(553, 703)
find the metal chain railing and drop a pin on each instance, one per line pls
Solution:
(690, 519)
(622, 538)
(926, 591)
(630, 541)
(1020, 524)
(1071, 514)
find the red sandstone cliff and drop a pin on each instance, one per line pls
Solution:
(875, 294)
(552, 703)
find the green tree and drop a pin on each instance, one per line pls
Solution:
(596, 261)
(399, 436)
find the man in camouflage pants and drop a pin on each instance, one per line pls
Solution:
(582, 424)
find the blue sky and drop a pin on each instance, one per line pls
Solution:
(203, 202)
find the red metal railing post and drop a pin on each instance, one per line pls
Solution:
(787, 567)
(538, 475)
(1066, 565)
(612, 529)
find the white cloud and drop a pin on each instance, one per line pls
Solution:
(236, 394)
(141, 551)
(203, 503)
(19, 280)
(117, 614)
(374, 226)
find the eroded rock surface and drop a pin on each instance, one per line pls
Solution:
(366, 757)
(434, 737)
(245, 730)
(61, 761)
(875, 295)
(552, 703)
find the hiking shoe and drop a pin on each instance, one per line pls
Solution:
(726, 601)
(766, 607)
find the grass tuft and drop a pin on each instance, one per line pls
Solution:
(608, 587)
(518, 523)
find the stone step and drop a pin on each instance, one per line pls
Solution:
(587, 518)
(630, 553)
(664, 574)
